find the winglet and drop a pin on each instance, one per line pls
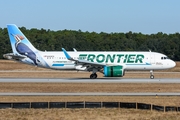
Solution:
(66, 54)
(74, 50)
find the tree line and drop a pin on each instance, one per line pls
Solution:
(168, 44)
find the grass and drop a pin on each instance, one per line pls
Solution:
(10, 69)
(85, 114)
(89, 87)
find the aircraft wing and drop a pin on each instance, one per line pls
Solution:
(84, 63)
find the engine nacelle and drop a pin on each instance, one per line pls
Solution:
(113, 71)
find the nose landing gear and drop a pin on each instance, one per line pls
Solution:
(151, 74)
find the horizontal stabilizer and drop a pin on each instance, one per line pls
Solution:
(11, 56)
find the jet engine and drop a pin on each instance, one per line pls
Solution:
(113, 71)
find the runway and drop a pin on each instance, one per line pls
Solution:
(90, 94)
(87, 80)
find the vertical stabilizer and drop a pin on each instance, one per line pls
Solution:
(21, 45)
(17, 37)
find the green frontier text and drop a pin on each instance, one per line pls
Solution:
(113, 58)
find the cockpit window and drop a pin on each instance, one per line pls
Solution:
(164, 58)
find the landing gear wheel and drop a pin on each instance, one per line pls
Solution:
(152, 76)
(93, 76)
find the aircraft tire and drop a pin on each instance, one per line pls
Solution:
(152, 76)
(93, 76)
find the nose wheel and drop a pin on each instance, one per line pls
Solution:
(151, 74)
(93, 76)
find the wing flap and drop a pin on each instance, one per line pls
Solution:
(90, 63)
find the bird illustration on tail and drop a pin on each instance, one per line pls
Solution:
(23, 49)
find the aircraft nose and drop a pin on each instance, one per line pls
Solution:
(173, 64)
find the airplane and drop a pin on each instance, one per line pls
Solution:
(110, 63)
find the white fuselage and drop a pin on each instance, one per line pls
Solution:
(111, 64)
(130, 60)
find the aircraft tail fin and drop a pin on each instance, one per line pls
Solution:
(19, 43)
(21, 46)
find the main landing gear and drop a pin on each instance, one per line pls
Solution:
(93, 76)
(151, 74)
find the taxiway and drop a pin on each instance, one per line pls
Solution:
(87, 80)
